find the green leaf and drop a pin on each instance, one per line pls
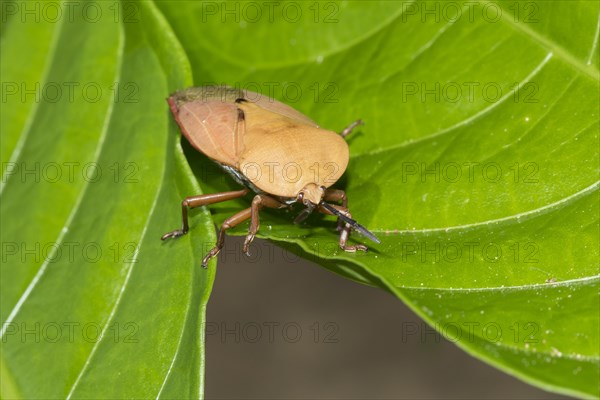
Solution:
(93, 304)
(477, 166)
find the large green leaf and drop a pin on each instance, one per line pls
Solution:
(528, 238)
(477, 166)
(93, 304)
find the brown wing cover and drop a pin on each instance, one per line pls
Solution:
(208, 118)
(276, 147)
(282, 155)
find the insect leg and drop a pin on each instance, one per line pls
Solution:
(350, 127)
(337, 195)
(197, 201)
(227, 224)
(259, 201)
(345, 231)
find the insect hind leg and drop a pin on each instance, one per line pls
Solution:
(351, 127)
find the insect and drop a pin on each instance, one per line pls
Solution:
(269, 148)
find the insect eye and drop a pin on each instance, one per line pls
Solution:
(303, 199)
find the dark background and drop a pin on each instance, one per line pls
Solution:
(282, 327)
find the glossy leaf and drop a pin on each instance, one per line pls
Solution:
(92, 305)
(477, 165)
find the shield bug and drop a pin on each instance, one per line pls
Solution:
(271, 149)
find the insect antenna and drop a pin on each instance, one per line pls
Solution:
(350, 221)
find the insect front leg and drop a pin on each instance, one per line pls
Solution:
(350, 127)
(345, 233)
(198, 201)
(337, 195)
(259, 201)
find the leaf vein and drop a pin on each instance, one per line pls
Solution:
(561, 52)
(559, 204)
(74, 211)
(464, 122)
(33, 113)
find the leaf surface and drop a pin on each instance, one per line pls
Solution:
(477, 166)
(93, 304)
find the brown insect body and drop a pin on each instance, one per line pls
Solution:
(289, 153)
(277, 149)
(270, 148)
